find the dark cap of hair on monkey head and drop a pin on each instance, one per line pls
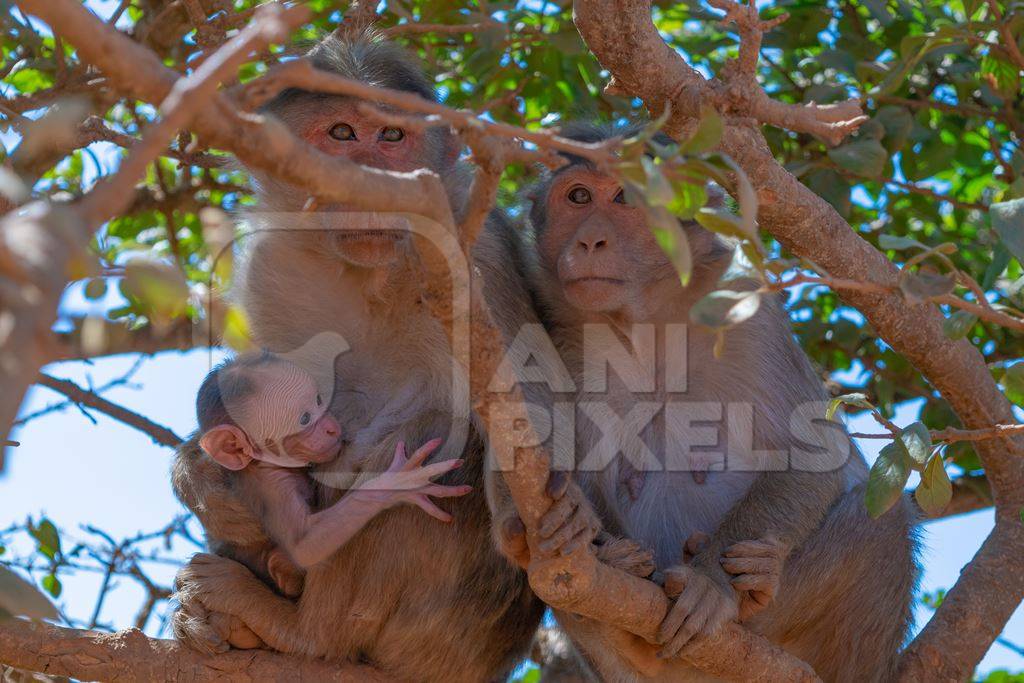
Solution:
(589, 132)
(227, 385)
(363, 57)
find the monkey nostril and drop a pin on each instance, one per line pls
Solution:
(592, 245)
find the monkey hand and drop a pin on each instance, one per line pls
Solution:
(757, 568)
(410, 481)
(235, 631)
(704, 603)
(217, 583)
(192, 625)
(570, 522)
(286, 575)
(625, 554)
(511, 540)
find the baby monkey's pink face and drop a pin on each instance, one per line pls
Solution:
(287, 418)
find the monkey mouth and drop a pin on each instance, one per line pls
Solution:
(594, 278)
(373, 235)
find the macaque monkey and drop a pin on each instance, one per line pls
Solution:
(419, 600)
(263, 418)
(789, 545)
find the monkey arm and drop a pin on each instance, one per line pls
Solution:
(310, 537)
(784, 506)
(325, 532)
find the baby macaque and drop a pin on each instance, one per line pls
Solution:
(262, 417)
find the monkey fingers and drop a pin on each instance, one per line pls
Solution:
(626, 555)
(214, 581)
(558, 484)
(512, 541)
(568, 524)
(694, 545)
(191, 625)
(757, 566)
(235, 632)
(702, 608)
(430, 508)
(287, 576)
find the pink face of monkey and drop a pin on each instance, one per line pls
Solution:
(337, 126)
(287, 418)
(282, 421)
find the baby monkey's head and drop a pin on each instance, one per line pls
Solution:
(259, 406)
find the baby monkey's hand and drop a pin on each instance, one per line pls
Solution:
(410, 481)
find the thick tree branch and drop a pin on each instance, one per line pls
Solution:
(131, 656)
(623, 37)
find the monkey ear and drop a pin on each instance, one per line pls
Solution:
(228, 445)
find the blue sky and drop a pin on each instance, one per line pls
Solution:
(115, 478)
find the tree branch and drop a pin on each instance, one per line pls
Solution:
(623, 37)
(159, 434)
(131, 656)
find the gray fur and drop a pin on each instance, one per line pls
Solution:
(845, 599)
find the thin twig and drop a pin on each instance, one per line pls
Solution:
(952, 434)
(160, 434)
(301, 74)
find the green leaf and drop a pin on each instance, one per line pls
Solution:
(916, 442)
(935, 490)
(52, 585)
(861, 157)
(707, 135)
(20, 598)
(672, 239)
(47, 537)
(722, 221)
(923, 285)
(688, 199)
(723, 308)
(859, 400)
(886, 480)
(1013, 378)
(1000, 259)
(898, 123)
(898, 243)
(1008, 222)
(959, 324)
(658, 190)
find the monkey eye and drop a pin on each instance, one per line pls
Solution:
(579, 195)
(319, 401)
(620, 198)
(392, 134)
(342, 131)
(305, 419)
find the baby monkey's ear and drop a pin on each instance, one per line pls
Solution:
(228, 445)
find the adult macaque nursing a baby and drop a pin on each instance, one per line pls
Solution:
(264, 419)
(783, 520)
(418, 599)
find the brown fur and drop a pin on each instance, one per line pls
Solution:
(420, 599)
